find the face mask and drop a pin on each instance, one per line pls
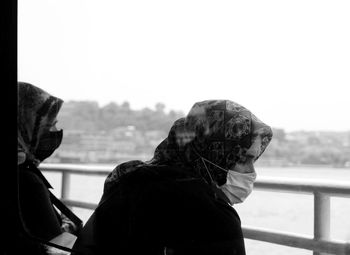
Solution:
(238, 186)
(48, 143)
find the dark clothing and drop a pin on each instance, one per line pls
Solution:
(175, 203)
(159, 208)
(38, 213)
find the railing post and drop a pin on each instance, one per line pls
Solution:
(321, 218)
(65, 185)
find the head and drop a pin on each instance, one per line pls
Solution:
(37, 112)
(218, 139)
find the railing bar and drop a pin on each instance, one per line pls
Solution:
(76, 167)
(78, 172)
(296, 241)
(262, 183)
(304, 188)
(278, 184)
(80, 204)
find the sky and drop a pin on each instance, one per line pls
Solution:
(286, 61)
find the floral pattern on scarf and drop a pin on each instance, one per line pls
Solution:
(36, 108)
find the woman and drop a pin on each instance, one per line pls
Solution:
(180, 202)
(38, 138)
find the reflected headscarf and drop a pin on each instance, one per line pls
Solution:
(36, 108)
(220, 131)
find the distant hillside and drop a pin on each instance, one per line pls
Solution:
(88, 116)
(115, 133)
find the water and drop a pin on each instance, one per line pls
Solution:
(277, 211)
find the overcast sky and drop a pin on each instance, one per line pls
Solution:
(286, 61)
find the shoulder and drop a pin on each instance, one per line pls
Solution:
(119, 171)
(28, 177)
(32, 186)
(148, 174)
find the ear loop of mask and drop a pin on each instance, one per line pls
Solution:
(204, 159)
(206, 168)
(205, 165)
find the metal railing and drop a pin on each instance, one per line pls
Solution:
(320, 243)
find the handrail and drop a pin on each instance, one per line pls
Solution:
(332, 188)
(320, 243)
(297, 240)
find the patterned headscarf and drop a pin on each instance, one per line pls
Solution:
(220, 131)
(36, 109)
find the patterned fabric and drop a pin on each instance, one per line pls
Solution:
(220, 131)
(36, 109)
(120, 170)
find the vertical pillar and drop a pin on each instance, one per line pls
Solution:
(321, 218)
(65, 185)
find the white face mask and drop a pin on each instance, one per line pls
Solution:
(238, 186)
